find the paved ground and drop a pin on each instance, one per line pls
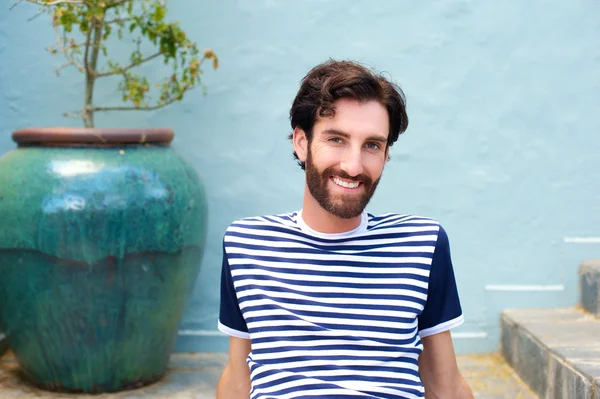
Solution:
(194, 376)
(491, 378)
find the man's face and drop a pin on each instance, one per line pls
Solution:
(346, 156)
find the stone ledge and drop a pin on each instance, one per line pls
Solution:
(189, 376)
(554, 351)
(589, 286)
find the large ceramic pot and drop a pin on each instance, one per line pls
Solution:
(101, 237)
(3, 343)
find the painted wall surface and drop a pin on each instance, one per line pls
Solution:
(502, 147)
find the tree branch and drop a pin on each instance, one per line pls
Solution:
(120, 71)
(73, 114)
(118, 20)
(72, 44)
(16, 3)
(145, 108)
(42, 12)
(52, 3)
(91, 67)
(66, 64)
(152, 108)
(86, 63)
(117, 3)
(64, 50)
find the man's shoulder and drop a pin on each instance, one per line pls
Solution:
(410, 228)
(407, 226)
(264, 222)
(399, 220)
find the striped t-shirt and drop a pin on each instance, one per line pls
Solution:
(337, 315)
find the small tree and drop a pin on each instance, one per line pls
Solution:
(83, 30)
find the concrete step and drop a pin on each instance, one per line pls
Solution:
(589, 286)
(195, 376)
(556, 352)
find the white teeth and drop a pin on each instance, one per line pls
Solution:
(342, 183)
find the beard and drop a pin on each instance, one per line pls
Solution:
(344, 206)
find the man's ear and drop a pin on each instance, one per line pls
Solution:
(300, 142)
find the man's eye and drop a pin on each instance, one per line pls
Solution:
(335, 139)
(373, 146)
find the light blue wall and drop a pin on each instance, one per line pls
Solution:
(503, 143)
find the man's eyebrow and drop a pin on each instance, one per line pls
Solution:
(381, 139)
(336, 132)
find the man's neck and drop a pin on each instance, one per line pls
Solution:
(322, 221)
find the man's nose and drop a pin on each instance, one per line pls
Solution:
(352, 163)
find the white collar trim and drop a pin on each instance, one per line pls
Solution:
(346, 234)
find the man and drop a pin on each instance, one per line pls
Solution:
(331, 301)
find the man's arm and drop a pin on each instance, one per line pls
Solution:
(439, 371)
(235, 380)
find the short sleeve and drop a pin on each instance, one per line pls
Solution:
(442, 310)
(231, 321)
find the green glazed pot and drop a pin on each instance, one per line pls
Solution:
(3, 343)
(101, 238)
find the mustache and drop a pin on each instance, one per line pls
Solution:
(340, 173)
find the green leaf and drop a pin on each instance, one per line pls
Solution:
(159, 14)
(107, 32)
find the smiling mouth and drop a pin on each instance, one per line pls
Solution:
(345, 184)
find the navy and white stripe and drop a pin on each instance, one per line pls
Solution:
(337, 315)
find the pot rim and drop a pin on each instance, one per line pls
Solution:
(67, 136)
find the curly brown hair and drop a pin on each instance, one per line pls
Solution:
(332, 80)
